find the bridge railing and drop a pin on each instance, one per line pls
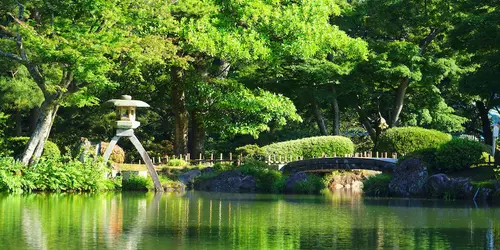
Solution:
(269, 159)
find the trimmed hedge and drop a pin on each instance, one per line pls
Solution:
(405, 140)
(17, 145)
(461, 154)
(311, 147)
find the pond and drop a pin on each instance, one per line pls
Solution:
(197, 220)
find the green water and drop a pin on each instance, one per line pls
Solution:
(196, 220)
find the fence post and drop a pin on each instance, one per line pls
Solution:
(230, 156)
(212, 158)
(201, 157)
(280, 159)
(220, 156)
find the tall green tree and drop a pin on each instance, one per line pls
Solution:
(409, 53)
(476, 34)
(68, 47)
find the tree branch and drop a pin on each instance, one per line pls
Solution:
(13, 57)
(428, 39)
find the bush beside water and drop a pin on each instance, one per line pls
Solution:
(311, 147)
(56, 174)
(377, 185)
(405, 140)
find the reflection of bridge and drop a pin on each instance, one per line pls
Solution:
(330, 164)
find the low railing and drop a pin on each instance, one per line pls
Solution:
(269, 159)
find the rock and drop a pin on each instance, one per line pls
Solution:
(229, 182)
(408, 178)
(207, 170)
(292, 181)
(484, 194)
(357, 185)
(248, 184)
(440, 185)
(345, 179)
(189, 176)
(437, 184)
(175, 187)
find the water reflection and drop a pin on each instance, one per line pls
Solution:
(219, 221)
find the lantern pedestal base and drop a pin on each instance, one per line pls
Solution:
(129, 133)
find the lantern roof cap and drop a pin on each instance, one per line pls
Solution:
(126, 101)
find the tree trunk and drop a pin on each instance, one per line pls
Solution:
(19, 128)
(400, 97)
(197, 134)
(41, 132)
(181, 114)
(485, 122)
(34, 115)
(336, 113)
(373, 132)
(319, 118)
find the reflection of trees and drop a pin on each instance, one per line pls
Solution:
(32, 229)
(221, 221)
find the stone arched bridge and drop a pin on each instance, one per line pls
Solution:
(331, 164)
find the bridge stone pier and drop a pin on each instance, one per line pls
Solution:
(385, 165)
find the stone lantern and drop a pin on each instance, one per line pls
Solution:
(125, 125)
(125, 112)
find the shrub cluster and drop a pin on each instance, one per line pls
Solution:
(461, 153)
(16, 147)
(311, 147)
(54, 174)
(313, 185)
(177, 163)
(404, 140)
(251, 150)
(137, 183)
(377, 185)
(268, 180)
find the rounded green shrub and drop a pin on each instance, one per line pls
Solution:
(177, 163)
(405, 140)
(251, 150)
(17, 145)
(311, 147)
(460, 154)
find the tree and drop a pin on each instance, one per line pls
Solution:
(18, 92)
(476, 34)
(68, 47)
(409, 53)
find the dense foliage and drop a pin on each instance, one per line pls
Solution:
(220, 75)
(405, 140)
(377, 185)
(56, 174)
(311, 147)
(460, 153)
(15, 146)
